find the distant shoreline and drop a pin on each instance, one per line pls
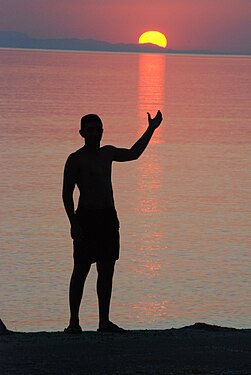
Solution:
(173, 53)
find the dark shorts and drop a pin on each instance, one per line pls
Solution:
(101, 236)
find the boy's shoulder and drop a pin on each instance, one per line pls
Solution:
(76, 155)
(107, 148)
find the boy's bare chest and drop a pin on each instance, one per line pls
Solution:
(94, 166)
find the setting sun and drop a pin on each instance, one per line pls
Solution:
(153, 37)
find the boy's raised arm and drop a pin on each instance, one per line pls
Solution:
(122, 154)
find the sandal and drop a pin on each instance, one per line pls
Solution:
(111, 328)
(73, 329)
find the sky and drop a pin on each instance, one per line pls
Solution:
(219, 25)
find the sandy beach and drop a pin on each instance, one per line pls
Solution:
(198, 349)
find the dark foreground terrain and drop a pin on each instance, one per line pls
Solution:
(198, 349)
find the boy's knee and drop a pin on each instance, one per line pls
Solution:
(81, 269)
(105, 268)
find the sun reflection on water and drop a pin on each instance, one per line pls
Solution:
(151, 89)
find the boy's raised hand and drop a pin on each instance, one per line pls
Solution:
(156, 121)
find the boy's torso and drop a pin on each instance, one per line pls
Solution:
(93, 177)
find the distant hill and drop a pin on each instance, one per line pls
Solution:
(21, 40)
(11, 39)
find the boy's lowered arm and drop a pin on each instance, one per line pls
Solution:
(123, 154)
(67, 195)
(68, 188)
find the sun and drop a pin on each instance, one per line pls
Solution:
(153, 37)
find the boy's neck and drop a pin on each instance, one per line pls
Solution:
(91, 147)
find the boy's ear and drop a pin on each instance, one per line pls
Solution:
(81, 132)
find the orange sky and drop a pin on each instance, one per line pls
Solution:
(188, 24)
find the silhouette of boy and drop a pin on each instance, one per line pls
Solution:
(95, 225)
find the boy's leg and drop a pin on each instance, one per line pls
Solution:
(104, 290)
(79, 274)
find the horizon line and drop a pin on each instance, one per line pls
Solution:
(171, 52)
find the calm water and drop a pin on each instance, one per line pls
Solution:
(184, 206)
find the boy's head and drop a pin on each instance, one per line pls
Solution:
(91, 128)
(91, 119)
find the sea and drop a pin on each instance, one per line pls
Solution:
(184, 205)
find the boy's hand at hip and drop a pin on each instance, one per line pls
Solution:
(76, 231)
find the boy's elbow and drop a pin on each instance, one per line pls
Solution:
(66, 195)
(64, 198)
(134, 155)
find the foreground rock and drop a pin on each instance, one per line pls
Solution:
(3, 329)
